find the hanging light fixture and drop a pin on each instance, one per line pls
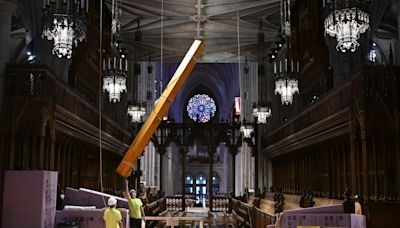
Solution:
(246, 130)
(346, 20)
(136, 111)
(286, 83)
(65, 24)
(286, 88)
(115, 73)
(262, 113)
(115, 68)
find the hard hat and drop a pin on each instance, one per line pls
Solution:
(111, 201)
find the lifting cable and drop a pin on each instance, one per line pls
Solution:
(100, 101)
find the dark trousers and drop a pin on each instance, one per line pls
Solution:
(135, 223)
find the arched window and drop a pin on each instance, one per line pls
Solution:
(215, 184)
(201, 108)
(189, 184)
(201, 186)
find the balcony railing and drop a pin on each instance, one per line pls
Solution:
(367, 83)
(36, 81)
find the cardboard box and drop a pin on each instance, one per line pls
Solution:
(29, 199)
(322, 220)
(87, 197)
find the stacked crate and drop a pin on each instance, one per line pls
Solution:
(29, 199)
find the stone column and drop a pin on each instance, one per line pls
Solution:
(256, 157)
(161, 151)
(365, 165)
(211, 152)
(363, 125)
(233, 151)
(183, 152)
(353, 183)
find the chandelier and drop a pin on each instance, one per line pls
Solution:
(346, 21)
(262, 113)
(246, 130)
(286, 83)
(65, 24)
(115, 73)
(136, 111)
(286, 88)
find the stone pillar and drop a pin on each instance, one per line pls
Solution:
(161, 151)
(352, 156)
(151, 166)
(6, 10)
(363, 123)
(211, 152)
(168, 171)
(365, 153)
(269, 174)
(183, 152)
(233, 151)
(256, 157)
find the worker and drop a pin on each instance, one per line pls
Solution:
(112, 217)
(136, 212)
(357, 205)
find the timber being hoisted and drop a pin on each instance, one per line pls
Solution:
(161, 107)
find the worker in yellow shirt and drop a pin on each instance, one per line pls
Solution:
(112, 217)
(136, 212)
(357, 205)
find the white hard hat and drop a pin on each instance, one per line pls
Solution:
(111, 201)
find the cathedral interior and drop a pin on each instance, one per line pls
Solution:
(275, 111)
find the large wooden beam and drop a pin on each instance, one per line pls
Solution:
(169, 94)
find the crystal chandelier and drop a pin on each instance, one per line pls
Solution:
(286, 83)
(286, 87)
(136, 111)
(65, 24)
(246, 130)
(115, 73)
(262, 113)
(346, 21)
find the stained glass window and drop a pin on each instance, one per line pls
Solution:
(201, 106)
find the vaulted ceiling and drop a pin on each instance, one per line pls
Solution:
(214, 21)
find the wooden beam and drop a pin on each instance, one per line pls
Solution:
(169, 94)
